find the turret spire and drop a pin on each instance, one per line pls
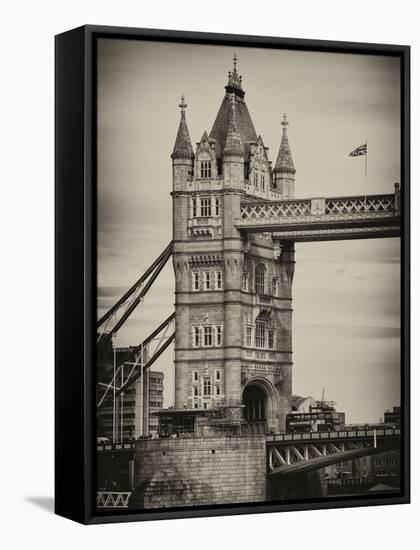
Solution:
(284, 161)
(233, 145)
(183, 147)
(284, 171)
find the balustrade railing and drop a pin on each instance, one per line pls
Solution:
(356, 205)
(125, 446)
(341, 434)
(276, 209)
(369, 206)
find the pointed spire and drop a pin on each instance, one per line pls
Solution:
(183, 147)
(244, 124)
(234, 84)
(284, 161)
(233, 145)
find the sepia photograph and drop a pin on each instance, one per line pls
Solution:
(248, 275)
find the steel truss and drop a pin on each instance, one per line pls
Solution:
(108, 499)
(294, 453)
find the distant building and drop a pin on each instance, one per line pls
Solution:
(135, 410)
(155, 402)
(359, 467)
(383, 467)
(386, 466)
(393, 417)
(341, 419)
(301, 404)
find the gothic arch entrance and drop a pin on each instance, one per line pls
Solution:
(258, 400)
(254, 403)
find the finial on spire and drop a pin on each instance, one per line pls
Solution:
(183, 148)
(182, 105)
(235, 80)
(284, 163)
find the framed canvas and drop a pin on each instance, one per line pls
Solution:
(232, 274)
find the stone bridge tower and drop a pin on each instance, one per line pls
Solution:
(233, 344)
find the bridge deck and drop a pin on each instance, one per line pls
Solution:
(286, 438)
(342, 435)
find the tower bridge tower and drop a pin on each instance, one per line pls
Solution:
(233, 303)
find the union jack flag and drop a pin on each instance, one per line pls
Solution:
(360, 151)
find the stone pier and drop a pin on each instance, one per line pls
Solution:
(199, 471)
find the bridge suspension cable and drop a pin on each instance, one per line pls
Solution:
(131, 354)
(137, 366)
(152, 272)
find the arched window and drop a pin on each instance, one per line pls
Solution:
(206, 387)
(260, 279)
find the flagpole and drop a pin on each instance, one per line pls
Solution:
(365, 176)
(366, 160)
(358, 152)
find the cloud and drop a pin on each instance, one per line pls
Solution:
(110, 291)
(340, 271)
(393, 260)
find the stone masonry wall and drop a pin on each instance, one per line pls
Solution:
(199, 471)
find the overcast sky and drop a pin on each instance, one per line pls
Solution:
(346, 293)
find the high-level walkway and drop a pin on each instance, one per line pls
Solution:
(323, 219)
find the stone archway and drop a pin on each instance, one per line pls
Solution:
(254, 399)
(259, 406)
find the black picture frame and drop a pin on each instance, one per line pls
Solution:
(75, 269)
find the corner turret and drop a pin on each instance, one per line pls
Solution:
(182, 154)
(284, 170)
(233, 153)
